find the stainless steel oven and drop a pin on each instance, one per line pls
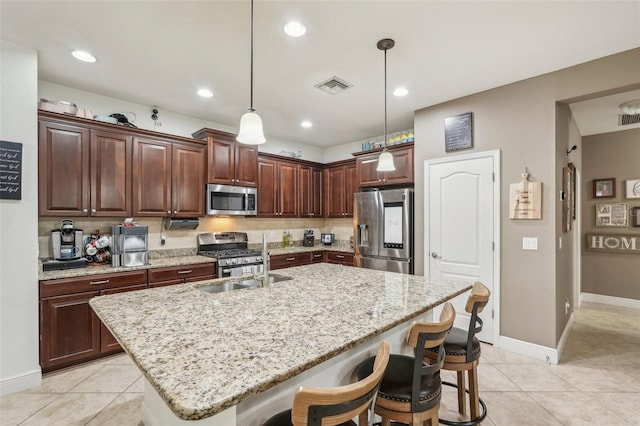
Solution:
(230, 249)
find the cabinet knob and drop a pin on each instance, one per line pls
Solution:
(85, 210)
(93, 210)
(175, 212)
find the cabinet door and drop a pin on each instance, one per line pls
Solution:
(317, 257)
(267, 188)
(340, 258)
(288, 260)
(287, 189)
(69, 330)
(221, 161)
(151, 178)
(63, 170)
(366, 170)
(110, 173)
(351, 188)
(246, 165)
(335, 191)
(317, 192)
(188, 174)
(403, 160)
(108, 343)
(309, 191)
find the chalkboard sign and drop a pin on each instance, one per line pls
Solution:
(10, 170)
(458, 132)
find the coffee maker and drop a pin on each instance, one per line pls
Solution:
(308, 240)
(66, 241)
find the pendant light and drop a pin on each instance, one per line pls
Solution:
(250, 132)
(385, 161)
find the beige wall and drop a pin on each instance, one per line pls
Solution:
(520, 120)
(608, 155)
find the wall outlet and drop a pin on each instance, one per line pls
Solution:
(529, 243)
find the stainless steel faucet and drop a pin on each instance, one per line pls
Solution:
(264, 277)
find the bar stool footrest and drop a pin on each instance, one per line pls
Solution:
(472, 422)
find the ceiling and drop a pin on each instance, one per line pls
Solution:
(158, 53)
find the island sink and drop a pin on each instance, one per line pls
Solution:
(237, 285)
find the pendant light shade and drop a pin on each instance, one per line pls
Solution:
(385, 161)
(251, 129)
(250, 132)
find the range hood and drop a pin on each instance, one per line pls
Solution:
(182, 223)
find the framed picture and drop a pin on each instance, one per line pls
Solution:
(572, 169)
(566, 200)
(604, 188)
(615, 214)
(635, 217)
(633, 188)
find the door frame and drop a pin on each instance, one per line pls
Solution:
(495, 154)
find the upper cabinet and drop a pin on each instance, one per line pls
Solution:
(403, 174)
(83, 172)
(168, 178)
(229, 162)
(277, 194)
(310, 191)
(340, 184)
(88, 168)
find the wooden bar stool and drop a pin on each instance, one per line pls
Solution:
(338, 405)
(411, 389)
(462, 353)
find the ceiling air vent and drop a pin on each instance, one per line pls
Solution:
(334, 85)
(626, 119)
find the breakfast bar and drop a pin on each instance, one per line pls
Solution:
(236, 357)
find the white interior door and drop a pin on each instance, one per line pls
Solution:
(460, 228)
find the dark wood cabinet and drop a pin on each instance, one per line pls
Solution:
(281, 261)
(168, 178)
(171, 275)
(229, 162)
(108, 343)
(310, 191)
(403, 174)
(339, 257)
(83, 172)
(70, 332)
(278, 188)
(318, 257)
(341, 184)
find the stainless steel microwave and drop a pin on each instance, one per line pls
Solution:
(230, 200)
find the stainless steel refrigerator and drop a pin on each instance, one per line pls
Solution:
(383, 230)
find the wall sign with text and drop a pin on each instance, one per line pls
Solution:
(10, 170)
(614, 243)
(458, 132)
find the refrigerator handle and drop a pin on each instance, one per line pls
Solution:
(363, 235)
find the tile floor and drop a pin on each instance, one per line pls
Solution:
(596, 383)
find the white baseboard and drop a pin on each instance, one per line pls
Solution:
(532, 350)
(565, 335)
(610, 300)
(21, 382)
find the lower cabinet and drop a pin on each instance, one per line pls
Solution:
(340, 258)
(317, 257)
(172, 275)
(70, 332)
(281, 261)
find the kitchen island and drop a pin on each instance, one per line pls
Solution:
(236, 357)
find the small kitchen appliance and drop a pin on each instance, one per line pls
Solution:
(308, 239)
(129, 245)
(230, 249)
(327, 239)
(66, 241)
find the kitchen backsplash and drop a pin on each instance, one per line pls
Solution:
(186, 239)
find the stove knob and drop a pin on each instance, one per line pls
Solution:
(232, 261)
(259, 259)
(246, 260)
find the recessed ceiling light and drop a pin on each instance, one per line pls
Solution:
(83, 56)
(400, 91)
(295, 29)
(205, 93)
(306, 123)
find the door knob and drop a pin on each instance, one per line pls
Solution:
(435, 255)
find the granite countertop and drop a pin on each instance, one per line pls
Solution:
(185, 257)
(204, 353)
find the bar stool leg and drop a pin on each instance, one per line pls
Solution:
(462, 406)
(473, 392)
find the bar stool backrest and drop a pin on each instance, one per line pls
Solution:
(335, 405)
(476, 302)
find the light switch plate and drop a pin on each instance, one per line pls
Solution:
(529, 243)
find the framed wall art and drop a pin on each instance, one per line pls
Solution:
(604, 188)
(632, 188)
(614, 214)
(572, 188)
